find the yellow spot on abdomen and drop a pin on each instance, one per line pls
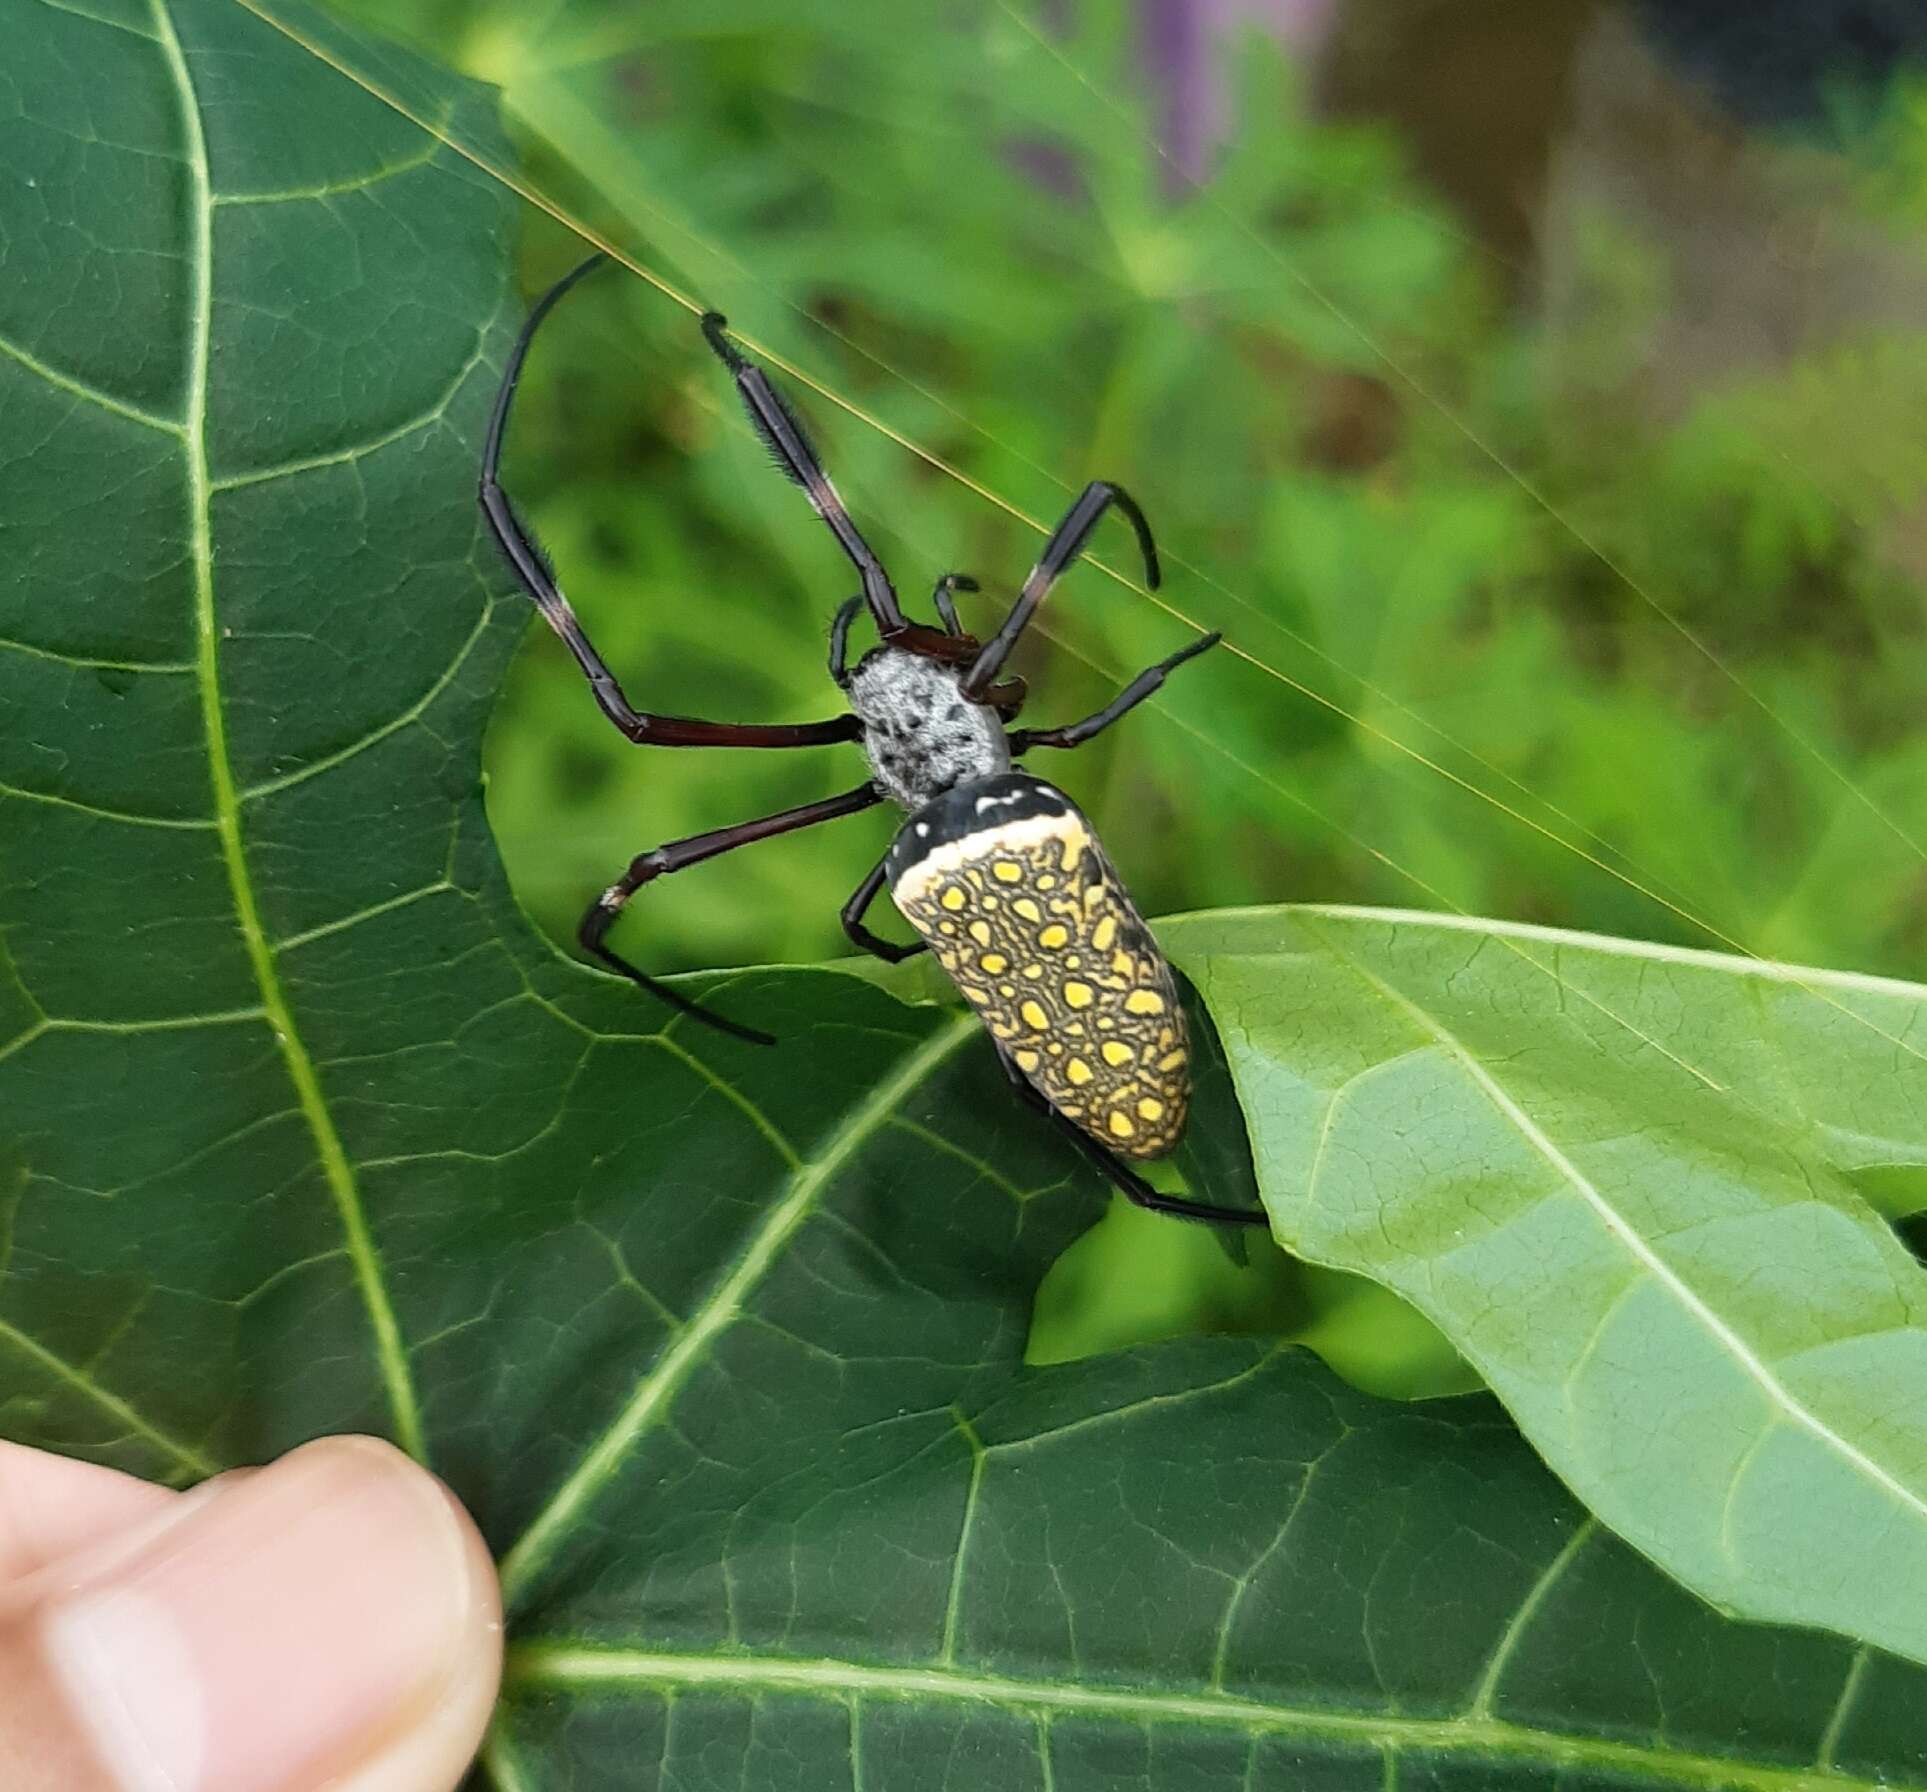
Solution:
(1077, 1070)
(1171, 1061)
(952, 898)
(1120, 1124)
(1055, 935)
(1027, 1061)
(1028, 909)
(1034, 1016)
(991, 963)
(980, 932)
(1078, 994)
(1117, 1052)
(1144, 1001)
(1150, 1107)
(1105, 932)
(1007, 871)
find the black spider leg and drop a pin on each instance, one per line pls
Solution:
(1122, 1177)
(855, 909)
(946, 604)
(790, 448)
(1065, 544)
(679, 855)
(537, 578)
(840, 639)
(1075, 734)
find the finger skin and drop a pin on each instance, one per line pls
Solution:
(330, 1621)
(51, 1506)
(433, 1751)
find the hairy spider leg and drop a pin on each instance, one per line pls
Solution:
(796, 459)
(1123, 1178)
(537, 578)
(1075, 734)
(679, 855)
(1066, 543)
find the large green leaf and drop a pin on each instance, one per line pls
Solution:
(304, 1129)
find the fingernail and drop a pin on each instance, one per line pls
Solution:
(281, 1628)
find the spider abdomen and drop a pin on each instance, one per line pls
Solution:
(1006, 880)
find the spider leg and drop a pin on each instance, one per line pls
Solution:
(537, 578)
(1066, 543)
(840, 639)
(679, 855)
(1075, 734)
(947, 605)
(1122, 1177)
(854, 911)
(783, 435)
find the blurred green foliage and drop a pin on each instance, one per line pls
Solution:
(1523, 619)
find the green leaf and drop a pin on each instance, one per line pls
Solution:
(1621, 1179)
(305, 1130)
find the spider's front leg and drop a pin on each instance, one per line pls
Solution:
(1066, 543)
(537, 578)
(791, 449)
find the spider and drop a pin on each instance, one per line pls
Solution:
(998, 871)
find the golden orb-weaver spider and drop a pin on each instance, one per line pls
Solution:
(999, 871)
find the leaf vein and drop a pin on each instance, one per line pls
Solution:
(655, 1393)
(183, 1456)
(337, 457)
(1526, 1611)
(375, 736)
(358, 183)
(339, 1174)
(76, 387)
(130, 817)
(551, 1667)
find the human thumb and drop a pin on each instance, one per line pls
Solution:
(331, 1620)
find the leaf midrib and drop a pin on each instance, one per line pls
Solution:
(552, 1667)
(391, 1356)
